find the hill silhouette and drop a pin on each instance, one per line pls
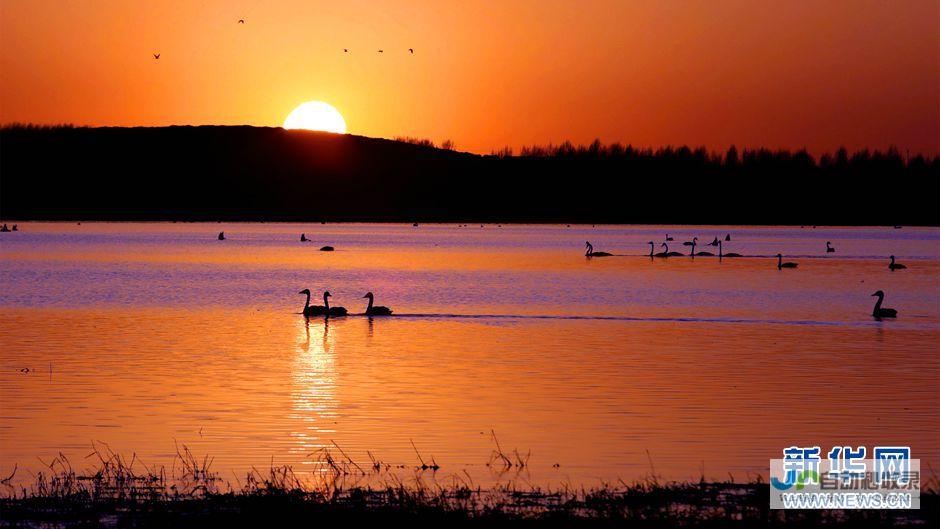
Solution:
(256, 173)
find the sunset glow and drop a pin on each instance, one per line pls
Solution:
(782, 75)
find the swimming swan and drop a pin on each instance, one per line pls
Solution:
(376, 311)
(895, 266)
(668, 253)
(879, 312)
(332, 311)
(781, 264)
(591, 253)
(829, 248)
(703, 254)
(660, 254)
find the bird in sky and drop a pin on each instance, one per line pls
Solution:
(345, 50)
(241, 20)
(156, 55)
(381, 51)
(411, 50)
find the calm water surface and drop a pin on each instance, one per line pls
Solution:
(142, 335)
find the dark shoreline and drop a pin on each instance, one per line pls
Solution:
(123, 492)
(256, 174)
(640, 505)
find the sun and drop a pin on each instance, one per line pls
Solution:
(316, 115)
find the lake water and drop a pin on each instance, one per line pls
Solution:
(144, 335)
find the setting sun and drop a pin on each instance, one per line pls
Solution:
(316, 115)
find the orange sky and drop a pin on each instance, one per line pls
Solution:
(490, 73)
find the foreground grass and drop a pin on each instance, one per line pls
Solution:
(122, 493)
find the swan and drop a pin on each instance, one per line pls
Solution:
(668, 253)
(879, 312)
(313, 310)
(303, 238)
(376, 311)
(829, 248)
(714, 242)
(591, 253)
(781, 264)
(668, 238)
(693, 242)
(706, 254)
(895, 266)
(332, 311)
(729, 254)
(728, 237)
(221, 235)
(660, 254)
(326, 249)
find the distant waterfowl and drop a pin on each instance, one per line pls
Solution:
(591, 253)
(345, 50)
(729, 254)
(313, 310)
(728, 237)
(411, 51)
(781, 264)
(332, 311)
(668, 238)
(376, 311)
(714, 242)
(15, 228)
(829, 248)
(303, 238)
(326, 249)
(381, 51)
(892, 266)
(241, 20)
(668, 253)
(653, 246)
(693, 242)
(4, 229)
(879, 312)
(221, 235)
(156, 55)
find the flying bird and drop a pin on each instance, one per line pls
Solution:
(241, 20)
(381, 51)
(156, 55)
(411, 50)
(345, 50)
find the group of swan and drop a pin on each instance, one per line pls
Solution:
(877, 312)
(692, 243)
(327, 310)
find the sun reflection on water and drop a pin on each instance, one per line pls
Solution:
(315, 404)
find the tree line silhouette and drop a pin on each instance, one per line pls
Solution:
(257, 173)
